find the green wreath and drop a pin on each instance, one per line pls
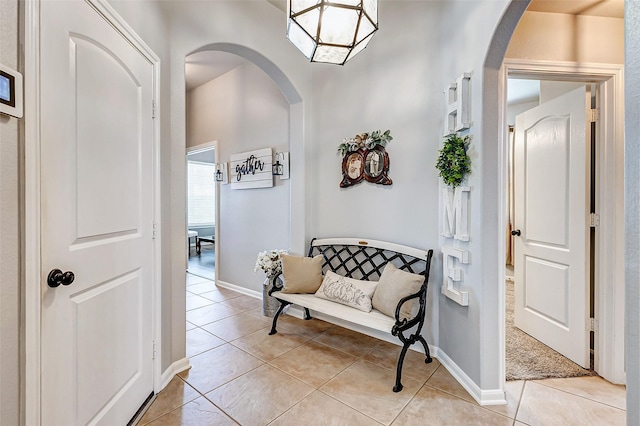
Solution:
(453, 162)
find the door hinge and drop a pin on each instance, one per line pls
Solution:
(594, 115)
(594, 220)
(153, 234)
(592, 324)
(153, 356)
(153, 109)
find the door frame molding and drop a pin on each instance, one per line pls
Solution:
(33, 274)
(609, 308)
(192, 150)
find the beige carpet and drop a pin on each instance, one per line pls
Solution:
(528, 358)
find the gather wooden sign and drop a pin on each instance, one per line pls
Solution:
(252, 169)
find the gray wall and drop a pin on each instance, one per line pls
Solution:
(244, 110)
(10, 224)
(470, 335)
(632, 208)
(393, 84)
(229, 26)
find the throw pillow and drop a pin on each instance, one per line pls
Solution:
(347, 291)
(395, 284)
(301, 274)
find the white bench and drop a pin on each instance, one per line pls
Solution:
(365, 260)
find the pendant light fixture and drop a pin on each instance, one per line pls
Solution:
(331, 31)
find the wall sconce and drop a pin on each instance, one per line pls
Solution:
(221, 174)
(280, 165)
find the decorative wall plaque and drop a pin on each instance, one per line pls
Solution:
(252, 169)
(365, 158)
(371, 165)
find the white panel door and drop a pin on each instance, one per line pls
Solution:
(551, 212)
(97, 218)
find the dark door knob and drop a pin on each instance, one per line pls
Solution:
(57, 277)
(516, 232)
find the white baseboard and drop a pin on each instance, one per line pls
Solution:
(482, 397)
(239, 289)
(175, 368)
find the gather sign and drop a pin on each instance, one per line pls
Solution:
(252, 169)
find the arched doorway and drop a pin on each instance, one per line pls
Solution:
(244, 103)
(495, 81)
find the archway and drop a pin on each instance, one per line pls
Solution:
(294, 134)
(493, 147)
(494, 84)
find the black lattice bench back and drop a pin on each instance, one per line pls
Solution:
(362, 260)
(365, 260)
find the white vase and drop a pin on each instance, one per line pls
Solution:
(269, 304)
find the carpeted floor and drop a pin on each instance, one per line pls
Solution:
(528, 358)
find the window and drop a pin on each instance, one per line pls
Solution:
(201, 194)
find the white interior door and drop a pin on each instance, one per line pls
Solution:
(97, 218)
(551, 213)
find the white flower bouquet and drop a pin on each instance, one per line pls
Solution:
(270, 262)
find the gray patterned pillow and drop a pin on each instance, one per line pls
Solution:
(347, 291)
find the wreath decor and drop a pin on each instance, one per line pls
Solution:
(365, 140)
(453, 162)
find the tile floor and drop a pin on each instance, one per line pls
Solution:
(314, 373)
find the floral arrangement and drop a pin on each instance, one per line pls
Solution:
(453, 162)
(365, 140)
(270, 262)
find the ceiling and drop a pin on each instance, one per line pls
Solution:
(280, 4)
(203, 67)
(608, 8)
(604, 8)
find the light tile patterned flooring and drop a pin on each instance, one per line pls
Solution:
(314, 373)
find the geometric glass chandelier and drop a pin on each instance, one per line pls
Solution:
(331, 31)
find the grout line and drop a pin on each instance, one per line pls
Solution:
(579, 396)
(347, 405)
(357, 357)
(515, 416)
(220, 408)
(472, 401)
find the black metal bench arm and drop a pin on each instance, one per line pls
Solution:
(405, 324)
(404, 300)
(275, 283)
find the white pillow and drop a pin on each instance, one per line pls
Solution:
(347, 291)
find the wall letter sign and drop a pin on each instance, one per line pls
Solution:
(454, 221)
(451, 274)
(252, 169)
(457, 105)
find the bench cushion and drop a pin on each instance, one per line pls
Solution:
(374, 319)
